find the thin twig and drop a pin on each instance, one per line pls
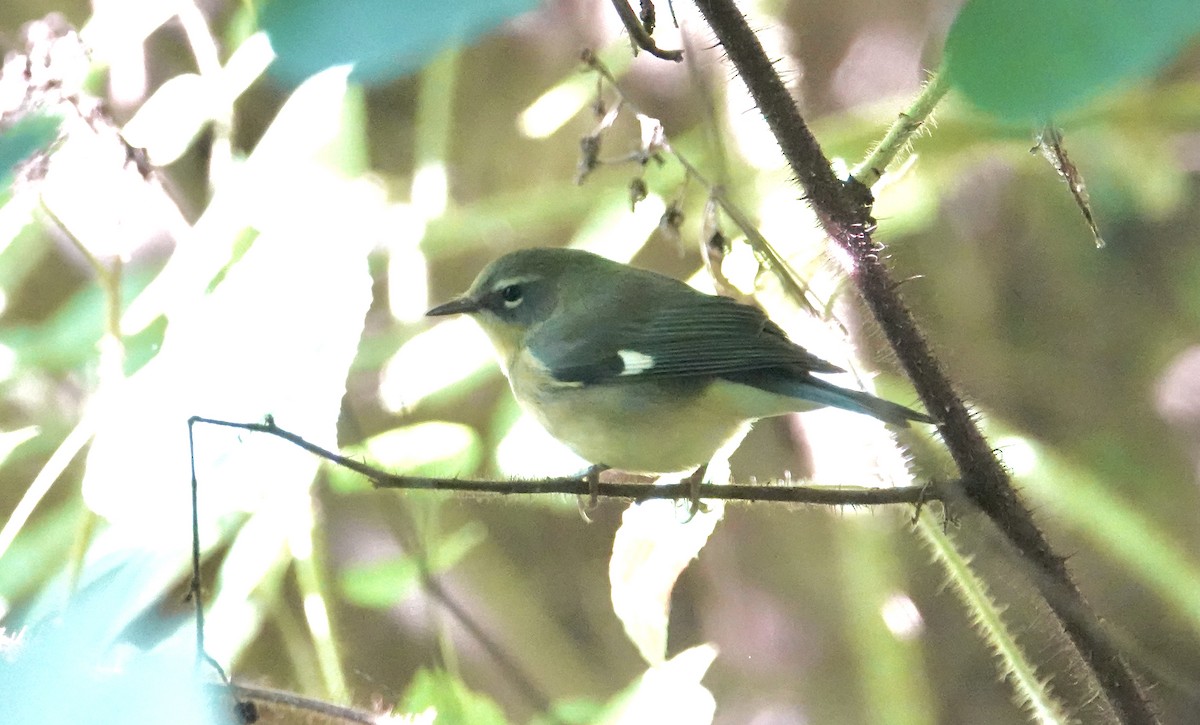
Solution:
(194, 587)
(844, 212)
(576, 485)
(767, 253)
(902, 130)
(580, 485)
(639, 36)
(202, 656)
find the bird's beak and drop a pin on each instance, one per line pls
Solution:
(454, 307)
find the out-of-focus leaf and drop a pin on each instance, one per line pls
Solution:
(432, 361)
(115, 28)
(450, 698)
(11, 439)
(26, 137)
(39, 553)
(572, 712)
(168, 121)
(384, 583)
(71, 669)
(1033, 60)
(380, 39)
(1117, 529)
(650, 550)
(67, 340)
(669, 692)
(275, 336)
(434, 448)
(883, 626)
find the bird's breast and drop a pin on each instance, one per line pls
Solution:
(652, 425)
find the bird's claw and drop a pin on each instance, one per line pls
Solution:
(592, 476)
(693, 483)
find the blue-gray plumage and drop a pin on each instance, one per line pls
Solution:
(638, 371)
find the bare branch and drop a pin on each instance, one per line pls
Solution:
(638, 34)
(579, 485)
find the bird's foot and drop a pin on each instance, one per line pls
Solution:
(693, 483)
(592, 476)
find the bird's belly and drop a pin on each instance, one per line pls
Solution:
(646, 427)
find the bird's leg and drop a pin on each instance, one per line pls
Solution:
(693, 483)
(593, 480)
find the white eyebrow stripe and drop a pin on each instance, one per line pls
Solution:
(507, 281)
(635, 362)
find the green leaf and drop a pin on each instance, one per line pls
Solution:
(381, 39)
(450, 698)
(27, 136)
(1034, 60)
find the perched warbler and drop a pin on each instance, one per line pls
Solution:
(638, 371)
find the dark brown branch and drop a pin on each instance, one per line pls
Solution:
(281, 706)
(579, 485)
(844, 212)
(638, 34)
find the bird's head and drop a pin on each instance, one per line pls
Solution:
(515, 294)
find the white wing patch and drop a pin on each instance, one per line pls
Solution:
(634, 362)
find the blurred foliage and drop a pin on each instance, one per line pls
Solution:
(107, 684)
(1034, 61)
(446, 696)
(30, 134)
(280, 258)
(381, 39)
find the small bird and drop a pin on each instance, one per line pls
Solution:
(637, 371)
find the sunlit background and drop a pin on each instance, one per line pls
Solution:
(279, 261)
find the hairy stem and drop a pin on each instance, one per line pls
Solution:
(844, 213)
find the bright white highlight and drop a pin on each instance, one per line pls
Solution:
(552, 110)
(902, 618)
(430, 190)
(316, 616)
(615, 233)
(421, 368)
(1018, 455)
(408, 273)
(635, 362)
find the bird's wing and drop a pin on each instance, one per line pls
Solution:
(683, 333)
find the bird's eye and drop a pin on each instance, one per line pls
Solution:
(511, 295)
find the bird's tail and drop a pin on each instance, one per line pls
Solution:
(826, 393)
